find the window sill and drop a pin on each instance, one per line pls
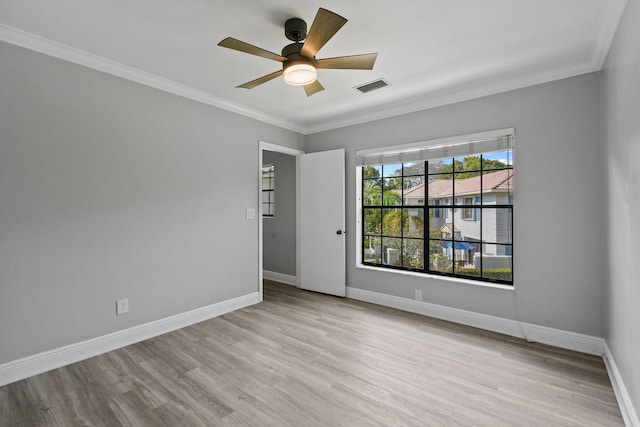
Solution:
(437, 277)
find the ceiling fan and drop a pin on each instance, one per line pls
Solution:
(299, 63)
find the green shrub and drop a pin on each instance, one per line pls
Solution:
(489, 273)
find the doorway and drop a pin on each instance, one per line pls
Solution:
(278, 214)
(319, 219)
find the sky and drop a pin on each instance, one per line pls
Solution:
(394, 169)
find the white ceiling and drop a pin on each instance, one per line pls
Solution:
(432, 52)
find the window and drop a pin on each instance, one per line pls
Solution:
(393, 216)
(467, 211)
(268, 191)
(448, 216)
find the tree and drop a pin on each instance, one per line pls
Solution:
(372, 193)
(437, 260)
(468, 167)
(370, 172)
(392, 198)
(392, 222)
(413, 168)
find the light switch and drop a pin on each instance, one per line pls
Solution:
(251, 213)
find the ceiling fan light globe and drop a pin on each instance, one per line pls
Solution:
(300, 74)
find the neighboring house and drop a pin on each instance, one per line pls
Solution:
(495, 188)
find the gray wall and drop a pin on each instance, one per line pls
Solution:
(558, 201)
(111, 189)
(279, 232)
(622, 162)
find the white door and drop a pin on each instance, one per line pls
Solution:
(322, 222)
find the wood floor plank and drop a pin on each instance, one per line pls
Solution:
(301, 358)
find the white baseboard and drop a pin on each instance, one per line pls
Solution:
(279, 277)
(32, 365)
(629, 413)
(564, 339)
(542, 334)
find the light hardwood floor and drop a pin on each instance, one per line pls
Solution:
(306, 359)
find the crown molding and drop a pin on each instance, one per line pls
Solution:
(426, 102)
(609, 24)
(67, 53)
(608, 28)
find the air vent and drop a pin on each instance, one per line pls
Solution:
(368, 87)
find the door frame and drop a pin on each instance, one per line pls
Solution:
(267, 146)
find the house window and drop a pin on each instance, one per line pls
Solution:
(268, 191)
(467, 210)
(446, 216)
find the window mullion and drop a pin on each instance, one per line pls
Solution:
(481, 211)
(453, 216)
(362, 215)
(402, 217)
(426, 223)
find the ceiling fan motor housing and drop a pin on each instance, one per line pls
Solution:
(295, 29)
(292, 51)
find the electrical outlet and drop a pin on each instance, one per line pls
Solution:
(122, 306)
(418, 295)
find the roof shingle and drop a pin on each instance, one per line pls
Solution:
(498, 180)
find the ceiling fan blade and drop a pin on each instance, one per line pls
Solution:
(260, 80)
(353, 62)
(236, 44)
(312, 88)
(324, 26)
